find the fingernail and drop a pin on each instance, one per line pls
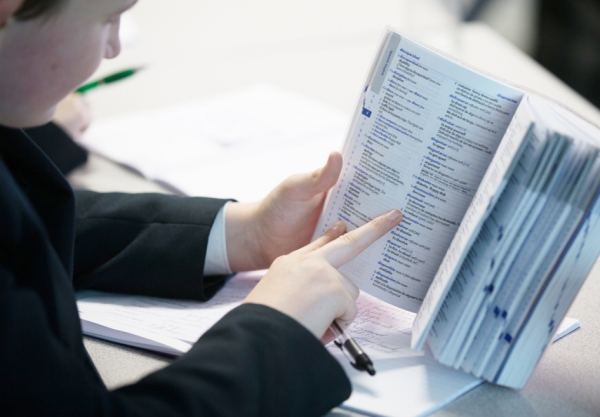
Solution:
(339, 225)
(394, 215)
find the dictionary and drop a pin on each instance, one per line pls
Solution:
(498, 187)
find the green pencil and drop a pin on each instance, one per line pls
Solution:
(107, 80)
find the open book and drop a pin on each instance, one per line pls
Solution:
(499, 191)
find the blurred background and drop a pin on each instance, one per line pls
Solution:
(320, 50)
(562, 35)
(323, 48)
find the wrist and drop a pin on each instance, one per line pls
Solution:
(243, 244)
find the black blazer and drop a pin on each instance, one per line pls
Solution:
(58, 146)
(254, 362)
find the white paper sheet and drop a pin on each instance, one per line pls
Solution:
(159, 320)
(238, 145)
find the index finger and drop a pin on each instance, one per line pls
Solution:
(348, 246)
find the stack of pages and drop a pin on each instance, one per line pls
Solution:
(531, 254)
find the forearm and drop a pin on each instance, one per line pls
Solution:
(254, 362)
(144, 243)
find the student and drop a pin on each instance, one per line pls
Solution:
(263, 358)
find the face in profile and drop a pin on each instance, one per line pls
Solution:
(45, 58)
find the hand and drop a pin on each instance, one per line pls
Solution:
(282, 222)
(306, 284)
(73, 115)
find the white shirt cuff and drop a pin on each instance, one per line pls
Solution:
(216, 262)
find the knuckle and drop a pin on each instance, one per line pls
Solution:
(333, 290)
(378, 222)
(322, 269)
(285, 188)
(279, 261)
(353, 290)
(349, 239)
(313, 265)
(315, 175)
(352, 311)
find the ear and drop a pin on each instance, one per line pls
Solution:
(7, 9)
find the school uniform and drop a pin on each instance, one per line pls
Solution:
(254, 362)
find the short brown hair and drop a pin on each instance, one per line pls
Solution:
(34, 8)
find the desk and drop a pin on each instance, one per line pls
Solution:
(323, 50)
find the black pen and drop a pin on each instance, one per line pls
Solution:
(346, 343)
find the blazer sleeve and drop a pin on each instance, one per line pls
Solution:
(254, 362)
(150, 244)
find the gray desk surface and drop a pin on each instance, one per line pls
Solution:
(322, 50)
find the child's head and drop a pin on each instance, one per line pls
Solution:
(48, 48)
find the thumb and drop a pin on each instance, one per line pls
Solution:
(306, 186)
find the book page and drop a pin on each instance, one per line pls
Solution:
(422, 138)
(531, 110)
(466, 294)
(487, 195)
